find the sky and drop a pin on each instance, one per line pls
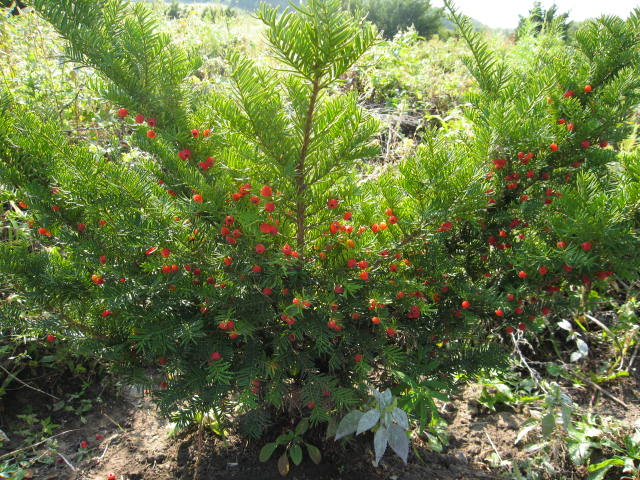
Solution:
(505, 13)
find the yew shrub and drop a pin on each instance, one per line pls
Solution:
(239, 252)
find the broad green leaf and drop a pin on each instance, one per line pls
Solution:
(284, 438)
(380, 440)
(267, 451)
(302, 427)
(349, 424)
(368, 420)
(597, 471)
(386, 398)
(314, 453)
(295, 452)
(548, 424)
(400, 416)
(399, 441)
(579, 451)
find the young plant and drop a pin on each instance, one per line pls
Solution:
(389, 423)
(292, 442)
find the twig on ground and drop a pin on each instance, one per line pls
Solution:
(26, 384)
(494, 446)
(115, 423)
(107, 446)
(67, 461)
(36, 444)
(599, 388)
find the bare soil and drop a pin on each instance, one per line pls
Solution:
(133, 442)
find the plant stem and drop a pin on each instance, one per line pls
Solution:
(301, 185)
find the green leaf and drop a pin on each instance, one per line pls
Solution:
(267, 451)
(400, 416)
(548, 424)
(349, 424)
(302, 427)
(597, 471)
(579, 451)
(399, 441)
(380, 440)
(284, 438)
(295, 452)
(368, 420)
(314, 453)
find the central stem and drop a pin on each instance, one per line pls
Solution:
(301, 185)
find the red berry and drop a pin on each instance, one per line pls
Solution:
(587, 88)
(347, 216)
(357, 357)
(269, 206)
(364, 275)
(139, 118)
(585, 144)
(84, 444)
(106, 313)
(338, 289)
(111, 476)
(554, 147)
(51, 338)
(500, 312)
(466, 304)
(332, 203)
(266, 191)
(165, 252)
(375, 320)
(586, 246)
(123, 112)
(103, 259)
(197, 198)
(260, 248)
(522, 274)
(561, 244)
(215, 356)
(98, 436)
(509, 330)
(151, 134)
(267, 291)
(195, 133)
(543, 270)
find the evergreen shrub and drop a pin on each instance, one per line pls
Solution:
(242, 254)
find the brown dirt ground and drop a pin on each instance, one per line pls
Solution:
(135, 444)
